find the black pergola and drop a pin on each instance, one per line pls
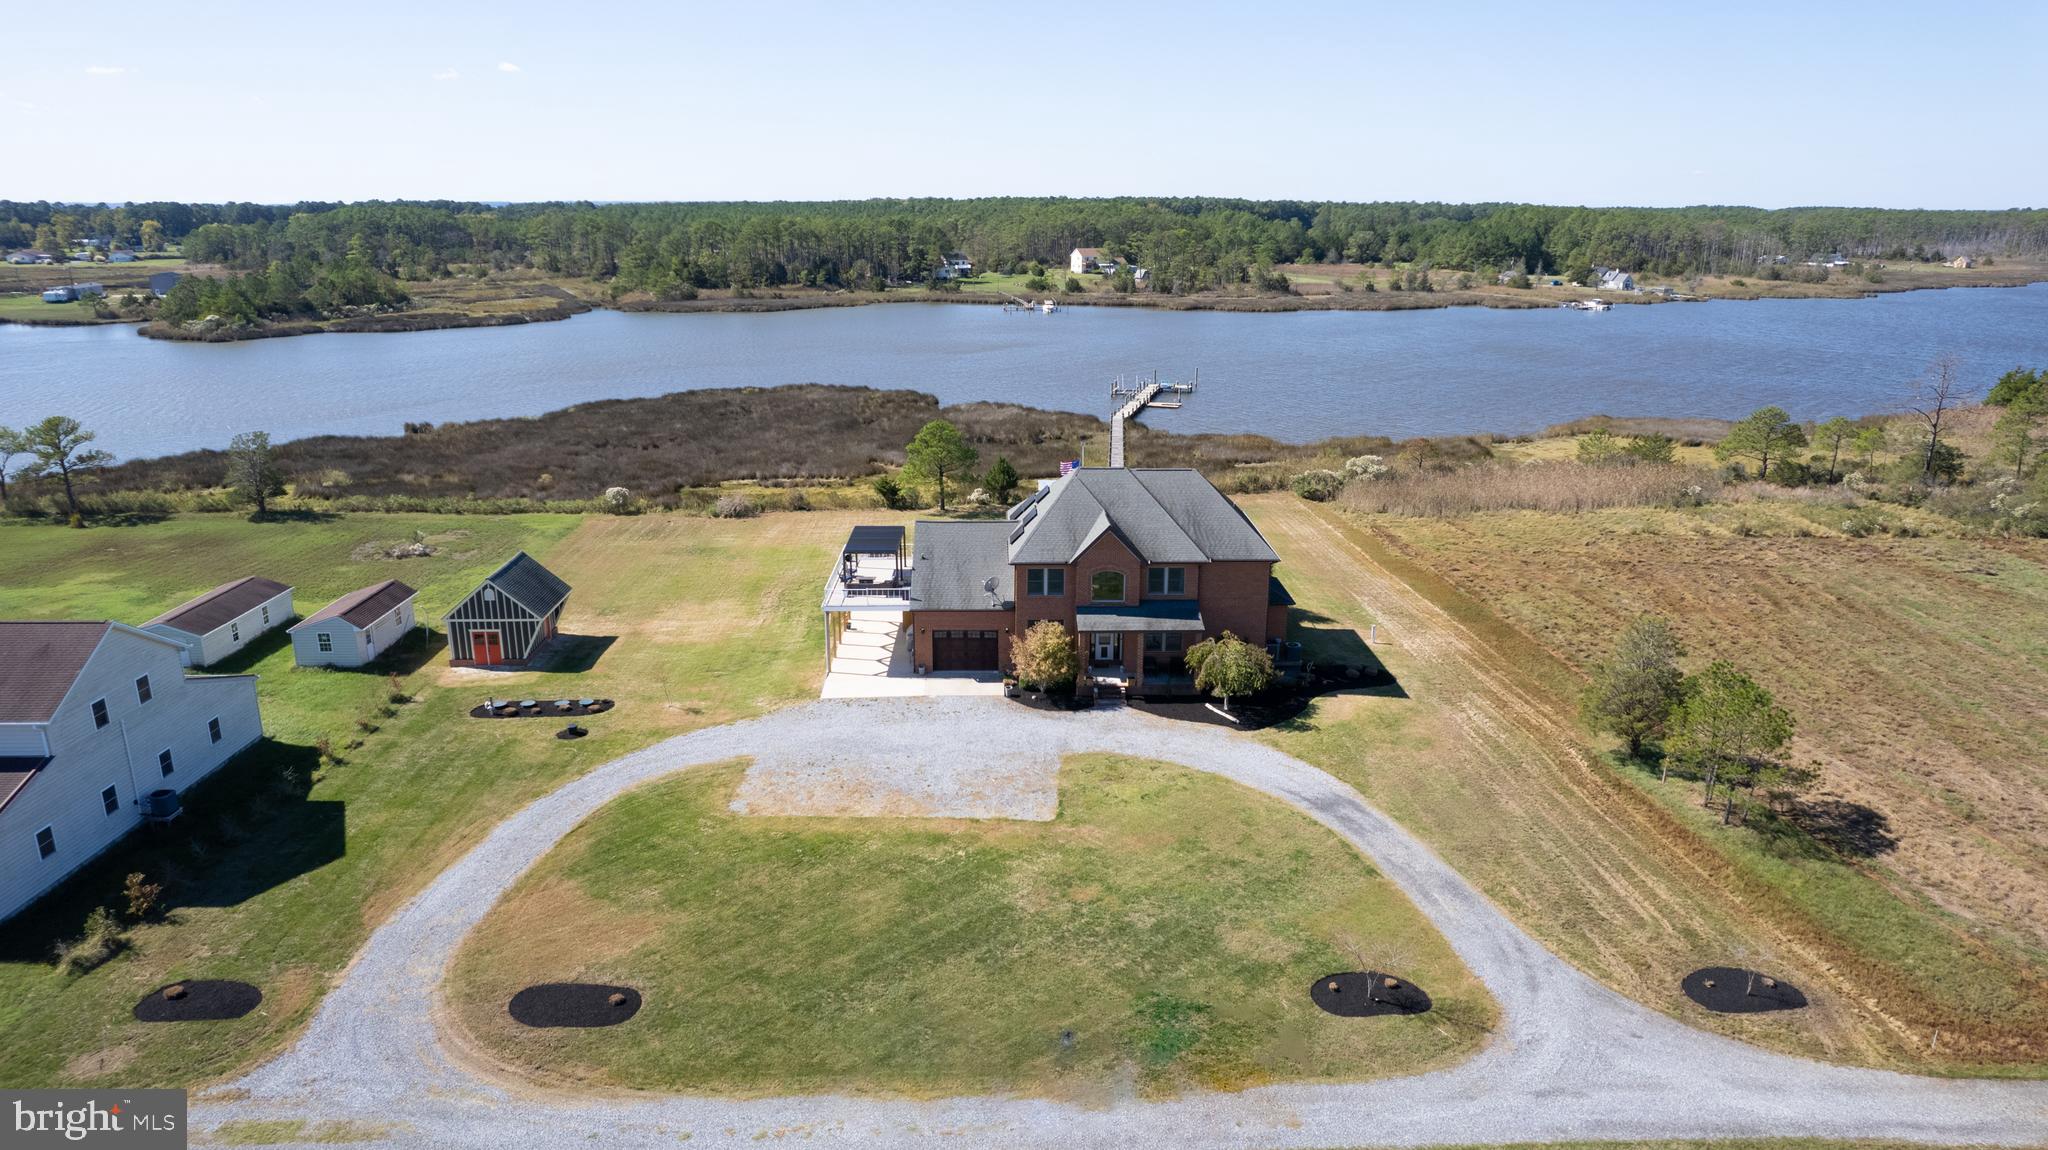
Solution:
(870, 540)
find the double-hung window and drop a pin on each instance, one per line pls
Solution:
(142, 689)
(213, 730)
(111, 800)
(325, 640)
(99, 713)
(46, 842)
(163, 762)
(1045, 581)
(1166, 581)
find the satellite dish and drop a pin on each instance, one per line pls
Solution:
(989, 584)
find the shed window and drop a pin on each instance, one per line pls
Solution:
(142, 689)
(110, 799)
(234, 632)
(163, 761)
(490, 594)
(1045, 581)
(1107, 586)
(213, 730)
(99, 712)
(326, 642)
(46, 842)
(1166, 581)
(266, 614)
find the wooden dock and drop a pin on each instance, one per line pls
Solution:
(1138, 403)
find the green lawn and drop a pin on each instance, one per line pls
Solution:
(281, 867)
(31, 306)
(1171, 920)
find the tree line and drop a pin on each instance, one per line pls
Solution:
(1187, 244)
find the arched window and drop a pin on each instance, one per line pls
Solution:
(1107, 586)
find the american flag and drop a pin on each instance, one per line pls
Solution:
(1067, 465)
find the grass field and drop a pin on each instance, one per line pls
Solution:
(1480, 754)
(32, 307)
(1170, 920)
(281, 867)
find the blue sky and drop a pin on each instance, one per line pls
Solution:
(1649, 103)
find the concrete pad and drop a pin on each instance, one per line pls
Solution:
(874, 662)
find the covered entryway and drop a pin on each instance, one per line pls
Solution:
(964, 651)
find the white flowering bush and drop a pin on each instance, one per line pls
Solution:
(1365, 467)
(618, 500)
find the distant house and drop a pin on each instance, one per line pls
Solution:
(1613, 279)
(1962, 262)
(30, 258)
(1140, 275)
(162, 282)
(510, 616)
(225, 619)
(70, 292)
(95, 720)
(1082, 260)
(955, 266)
(353, 629)
(124, 256)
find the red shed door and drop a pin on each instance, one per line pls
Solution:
(486, 647)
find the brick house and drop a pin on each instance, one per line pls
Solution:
(1139, 563)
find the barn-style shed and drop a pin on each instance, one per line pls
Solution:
(509, 617)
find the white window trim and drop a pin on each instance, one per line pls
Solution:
(144, 691)
(166, 763)
(50, 830)
(214, 734)
(324, 640)
(103, 798)
(97, 708)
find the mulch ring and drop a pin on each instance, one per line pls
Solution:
(572, 731)
(1050, 701)
(540, 708)
(200, 1000)
(1253, 714)
(1732, 990)
(1366, 994)
(581, 1004)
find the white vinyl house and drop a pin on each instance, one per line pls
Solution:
(95, 719)
(356, 628)
(225, 619)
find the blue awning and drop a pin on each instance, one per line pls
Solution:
(1157, 615)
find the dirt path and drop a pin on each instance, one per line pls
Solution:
(1584, 861)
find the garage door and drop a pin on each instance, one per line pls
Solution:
(963, 650)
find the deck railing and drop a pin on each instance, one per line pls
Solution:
(859, 590)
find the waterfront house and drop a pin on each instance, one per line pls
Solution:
(509, 618)
(1962, 262)
(100, 728)
(355, 628)
(1089, 260)
(1137, 563)
(225, 619)
(1613, 279)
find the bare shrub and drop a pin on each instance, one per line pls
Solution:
(1549, 486)
(735, 507)
(141, 896)
(101, 941)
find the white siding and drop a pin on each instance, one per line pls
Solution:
(65, 794)
(217, 644)
(352, 648)
(22, 740)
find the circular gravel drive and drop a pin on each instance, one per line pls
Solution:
(1572, 1060)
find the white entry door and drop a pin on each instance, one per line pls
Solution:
(1109, 647)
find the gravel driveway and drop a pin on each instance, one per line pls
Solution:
(1572, 1060)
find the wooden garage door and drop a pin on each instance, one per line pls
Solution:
(963, 650)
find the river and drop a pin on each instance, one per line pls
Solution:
(1295, 375)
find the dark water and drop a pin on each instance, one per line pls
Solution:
(1296, 376)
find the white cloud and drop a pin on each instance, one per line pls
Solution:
(104, 70)
(507, 66)
(447, 74)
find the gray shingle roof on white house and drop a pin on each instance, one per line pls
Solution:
(955, 560)
(1165, 515)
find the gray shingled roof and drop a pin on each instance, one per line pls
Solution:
(39, 662)
(951, 561)
(1165, 515)
(361, 607)
(218, 606)
(535, 587)
(1155, 615)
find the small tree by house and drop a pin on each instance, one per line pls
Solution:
(1001, 481)
(936, 453)
(1766, 435)
(141, 896)
(1046, 658)
(1229, 666)
(1633, 692)
(253, 474)
(1729, 728)
(58, 445)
